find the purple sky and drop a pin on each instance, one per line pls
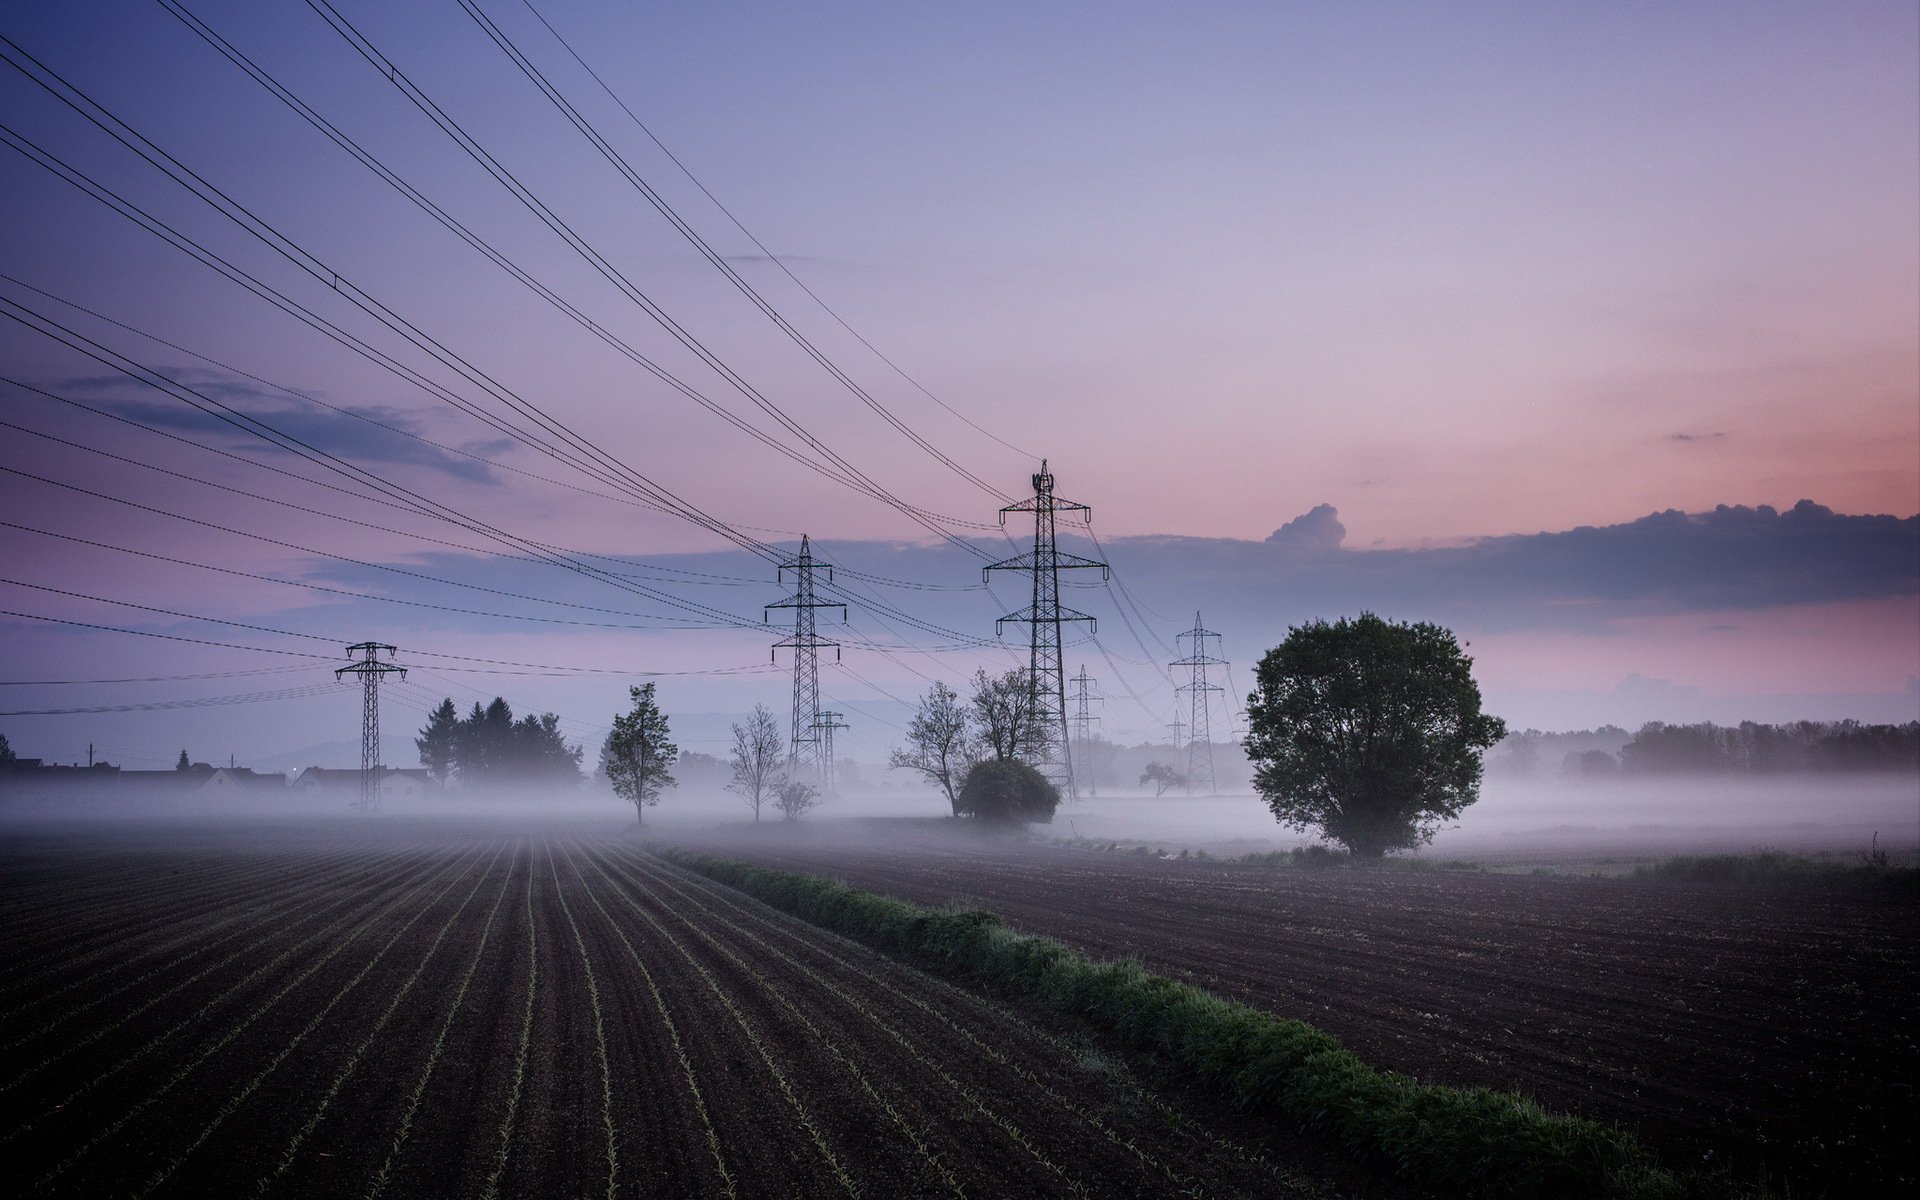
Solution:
(1465, 292)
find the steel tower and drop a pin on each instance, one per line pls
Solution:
(828, 722)
(803, 751)
(1050, 753)
(1082, 719)
(369, 668)
(1199, 732)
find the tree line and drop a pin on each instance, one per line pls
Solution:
(1750, 748)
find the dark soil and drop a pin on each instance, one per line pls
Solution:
(211, 1020)
(1768, 1028)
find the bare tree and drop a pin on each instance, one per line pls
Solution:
(940, 743)
(794, 797)
(756, 759)
(1007, 717)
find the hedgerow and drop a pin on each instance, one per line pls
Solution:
(1468, 1141)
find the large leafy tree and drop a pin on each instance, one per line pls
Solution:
(1368, 730)
(940, 743)
(637, 757)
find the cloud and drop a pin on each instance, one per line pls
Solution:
(1318, 528)
(1714, 436)
(360, 433)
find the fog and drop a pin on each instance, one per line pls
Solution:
(1516, 822)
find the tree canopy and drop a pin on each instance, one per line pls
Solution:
(1368, 730)
(637, 757)
(488, 748)
(1008, 791)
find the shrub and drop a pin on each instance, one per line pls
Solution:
(1008, 790)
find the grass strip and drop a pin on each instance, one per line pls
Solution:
(1469, 1141)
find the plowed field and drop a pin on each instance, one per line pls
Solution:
(1773, 1025)
(507, 1015)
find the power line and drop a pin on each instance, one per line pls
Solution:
(718, 261)
(771, 257)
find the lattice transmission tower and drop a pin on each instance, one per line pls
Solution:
(828, 722)
(1051, 752)
(370, 669)
(1199, 730)
(1083, 720)
(803, 753)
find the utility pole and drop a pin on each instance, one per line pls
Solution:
(1046, 678)
(1199, 731)
(828, 722)
(1083, 720)
(803, 751)
(369, 668)
(1178, 726)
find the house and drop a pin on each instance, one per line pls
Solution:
(233, 781)
(395, 782)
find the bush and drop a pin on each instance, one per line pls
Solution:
(1007, 790)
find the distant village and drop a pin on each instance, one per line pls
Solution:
(198, 780)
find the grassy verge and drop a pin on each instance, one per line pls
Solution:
(1467, 1141)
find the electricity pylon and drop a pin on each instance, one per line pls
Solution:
(369, 668)
(1049, 752)
(803, 751)
(1199, 732)
(1083, 720)
(828, 722)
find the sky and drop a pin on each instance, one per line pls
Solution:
(1591, 331)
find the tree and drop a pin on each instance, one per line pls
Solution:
(1008, 791)
(794, 797)
(490, 748)
(940, 743)
(6, 752)
(436, 740)
(1368, 730)
(756, 759)
(184, 763)
(637, 755)
(1007, 718)
(1162, 777)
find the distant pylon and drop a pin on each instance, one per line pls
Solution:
(369, 668)
(828, 722)
(1050, 752)
(1083, 721)
(1199, 730)
(803, 751)
(1178, 726)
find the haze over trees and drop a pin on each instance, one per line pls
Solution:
(489, 749)
(1367, 730)
(755, 759)
(637, 756)
(970, 751)
(1162, 777)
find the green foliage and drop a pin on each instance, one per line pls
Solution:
(1462, 1142)
(1368, 730)
(1009, 791)
(637, 756)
